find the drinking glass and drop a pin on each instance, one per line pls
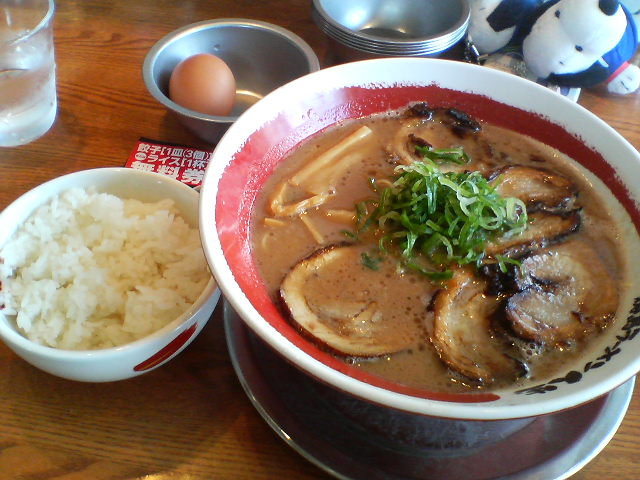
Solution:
(28, 100)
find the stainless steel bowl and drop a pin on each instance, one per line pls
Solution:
(381, 28)
(261, 56)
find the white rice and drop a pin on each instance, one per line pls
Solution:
(90, 270)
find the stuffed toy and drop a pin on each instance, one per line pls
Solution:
(492, 23)
(570, 43)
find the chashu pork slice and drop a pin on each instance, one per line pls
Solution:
(565, 292)
(463, 335)
(543, 229)
(353, 310)
(538, 188)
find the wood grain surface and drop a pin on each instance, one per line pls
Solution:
(190, 419)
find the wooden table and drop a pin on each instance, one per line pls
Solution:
(189, 419)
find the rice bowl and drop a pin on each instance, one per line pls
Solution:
(90, 270)
(135, 356)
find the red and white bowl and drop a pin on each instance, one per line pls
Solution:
(253, 146)
(142, 355)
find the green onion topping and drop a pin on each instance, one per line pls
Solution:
(445, 217)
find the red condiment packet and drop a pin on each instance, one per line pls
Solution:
(184, 163)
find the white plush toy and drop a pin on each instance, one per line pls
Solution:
(493, 23)
(571, 43)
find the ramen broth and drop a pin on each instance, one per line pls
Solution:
(398, 302)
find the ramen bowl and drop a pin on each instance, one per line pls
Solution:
(248, 154)
(262, 57)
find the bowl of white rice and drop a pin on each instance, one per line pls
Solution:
(102, 274)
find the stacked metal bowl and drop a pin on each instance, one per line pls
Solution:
(419, 28)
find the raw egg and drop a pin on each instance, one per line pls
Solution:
(203, 83)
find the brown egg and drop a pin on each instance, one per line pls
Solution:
(203, 83)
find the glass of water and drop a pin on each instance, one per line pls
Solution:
(28, 101)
